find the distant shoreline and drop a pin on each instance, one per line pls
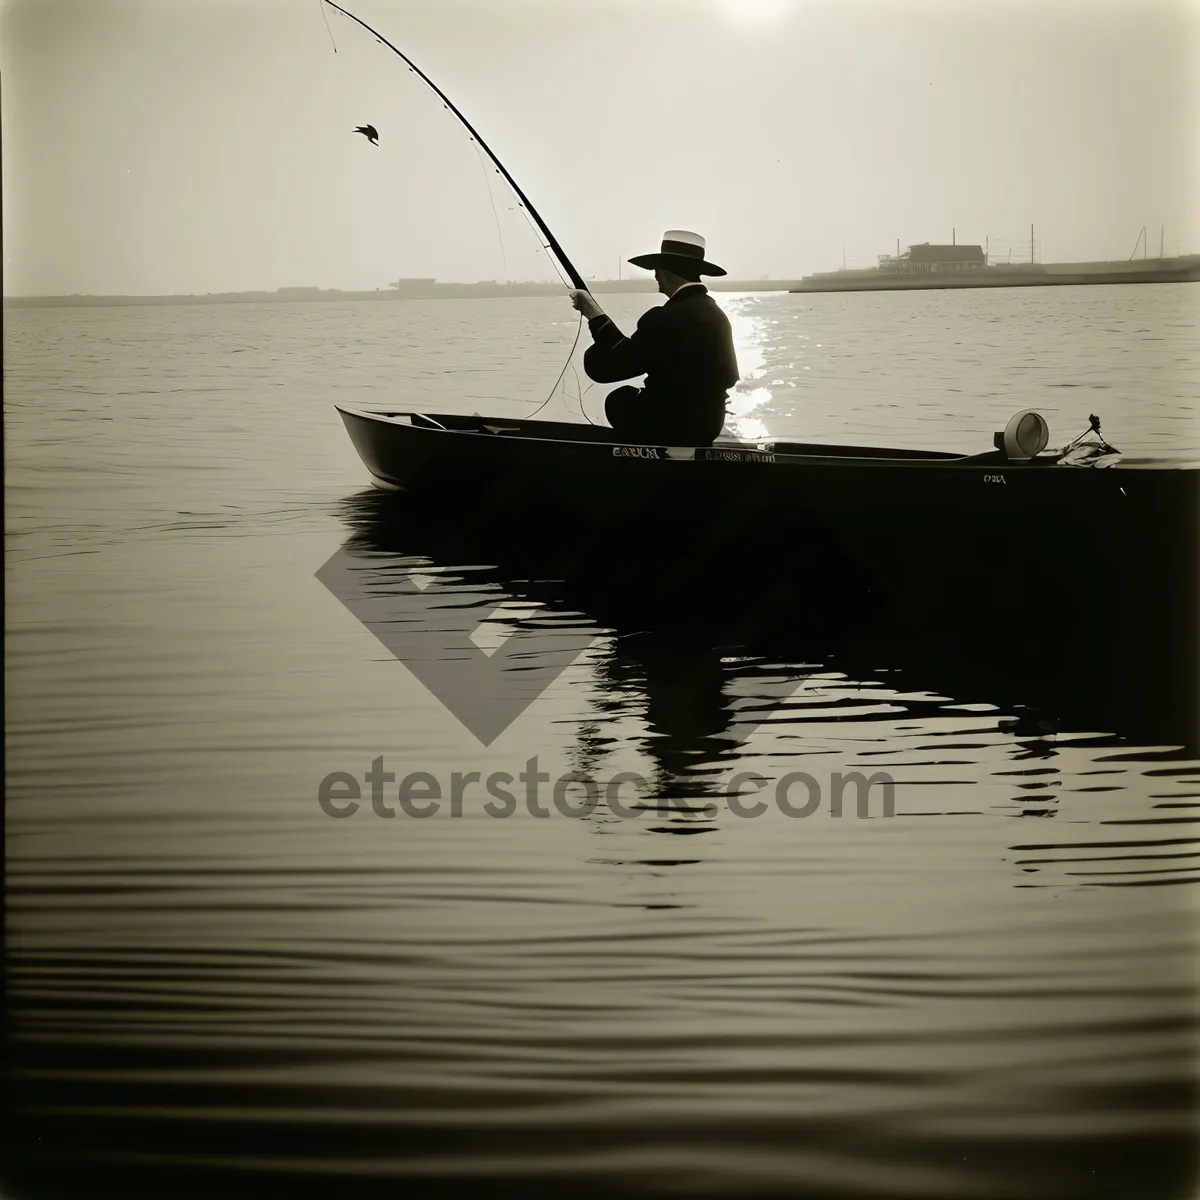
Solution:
(1179, 270)
(418, 291)
(1165, 270)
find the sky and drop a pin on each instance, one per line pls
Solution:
(191, 146)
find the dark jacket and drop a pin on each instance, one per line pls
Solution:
(683, 347)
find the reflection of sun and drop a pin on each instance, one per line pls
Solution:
(754, 12)
(749, 338)
(749, 334)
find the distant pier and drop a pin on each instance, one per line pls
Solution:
(927, 267)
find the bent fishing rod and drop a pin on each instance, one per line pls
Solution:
(551, 240)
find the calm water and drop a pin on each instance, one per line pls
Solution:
(212, 983)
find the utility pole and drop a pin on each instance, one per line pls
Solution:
(953, 236)
(843, 256)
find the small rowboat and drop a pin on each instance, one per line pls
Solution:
(495, 464)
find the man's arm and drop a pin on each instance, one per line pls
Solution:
(612, 356)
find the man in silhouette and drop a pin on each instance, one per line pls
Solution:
(684, 348)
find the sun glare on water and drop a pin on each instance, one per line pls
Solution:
(754, 12)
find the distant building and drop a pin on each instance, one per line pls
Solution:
(412, 285)
(925, 257)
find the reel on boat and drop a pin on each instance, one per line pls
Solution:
(1084, 452)
(1024, 437)
(1027, 435)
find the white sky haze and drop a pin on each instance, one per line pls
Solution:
(175, 146)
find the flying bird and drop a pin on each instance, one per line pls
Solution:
(369, 132)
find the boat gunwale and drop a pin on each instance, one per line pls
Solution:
(756, 452)
(765, 452)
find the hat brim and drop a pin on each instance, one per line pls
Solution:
(650, 261)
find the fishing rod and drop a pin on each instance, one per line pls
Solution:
(551, 240)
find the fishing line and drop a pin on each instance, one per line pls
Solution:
(542, 246)
(495, 215)
(321, 6)
(536, 231)
(547, 239)
(578, 331)
(579, 391)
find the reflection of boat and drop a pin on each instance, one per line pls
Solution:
(1062, 648)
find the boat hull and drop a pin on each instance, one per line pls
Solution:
(583, 474)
